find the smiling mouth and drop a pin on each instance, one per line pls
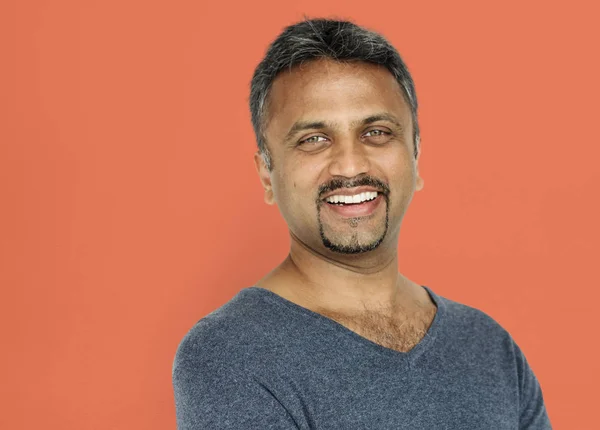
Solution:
(354, 206)
(356, 199)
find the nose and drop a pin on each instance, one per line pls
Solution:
(349, 158)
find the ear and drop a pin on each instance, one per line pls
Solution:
(265, 177)
(419, 180)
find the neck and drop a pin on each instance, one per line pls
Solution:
(344, 283)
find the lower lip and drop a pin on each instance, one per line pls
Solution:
(356, 210)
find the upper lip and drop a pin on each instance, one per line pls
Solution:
(351, 191)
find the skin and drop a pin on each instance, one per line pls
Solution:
(364, 290)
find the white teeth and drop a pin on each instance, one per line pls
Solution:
(357, 198)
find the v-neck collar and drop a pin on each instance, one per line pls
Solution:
(424, 344)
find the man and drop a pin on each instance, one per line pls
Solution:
(335, 337)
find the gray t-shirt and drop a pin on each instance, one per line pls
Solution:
(263, 362)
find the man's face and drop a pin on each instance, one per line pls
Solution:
(340, 138)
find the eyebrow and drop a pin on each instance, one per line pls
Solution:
(305, 125)
(311, 125)
(380, 117)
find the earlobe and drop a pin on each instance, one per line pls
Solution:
(269, 199)
(265, 177)
(420, 182)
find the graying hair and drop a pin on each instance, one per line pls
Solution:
(324, 38)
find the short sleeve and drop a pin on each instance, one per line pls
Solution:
(532, 410)
(208, 395)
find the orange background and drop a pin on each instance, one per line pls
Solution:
(131, 208)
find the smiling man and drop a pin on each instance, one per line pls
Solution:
(336, 337)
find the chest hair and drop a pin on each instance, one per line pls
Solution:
(399, 330)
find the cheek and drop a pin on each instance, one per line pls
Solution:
(395, 165)
(290, 191)
(400, 172)
(404, 170)
(302, 176)
(298, 190)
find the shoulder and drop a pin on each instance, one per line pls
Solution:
(468, 317)
(214, 370)
(470, 326)
(222, 338)
(484, 340)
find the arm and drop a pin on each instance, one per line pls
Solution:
(532, 410)
(210, 396)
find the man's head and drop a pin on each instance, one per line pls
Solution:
(335, 115)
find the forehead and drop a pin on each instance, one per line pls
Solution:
(333, 91)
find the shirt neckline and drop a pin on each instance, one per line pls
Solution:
(416, 351)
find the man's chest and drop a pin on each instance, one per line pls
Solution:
(384, 393)
(401, 332)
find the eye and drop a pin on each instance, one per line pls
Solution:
(313, 143)
(377, 135)
(312, 139)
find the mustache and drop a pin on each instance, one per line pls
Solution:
(369, 181)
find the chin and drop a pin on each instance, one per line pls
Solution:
(351, 247)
